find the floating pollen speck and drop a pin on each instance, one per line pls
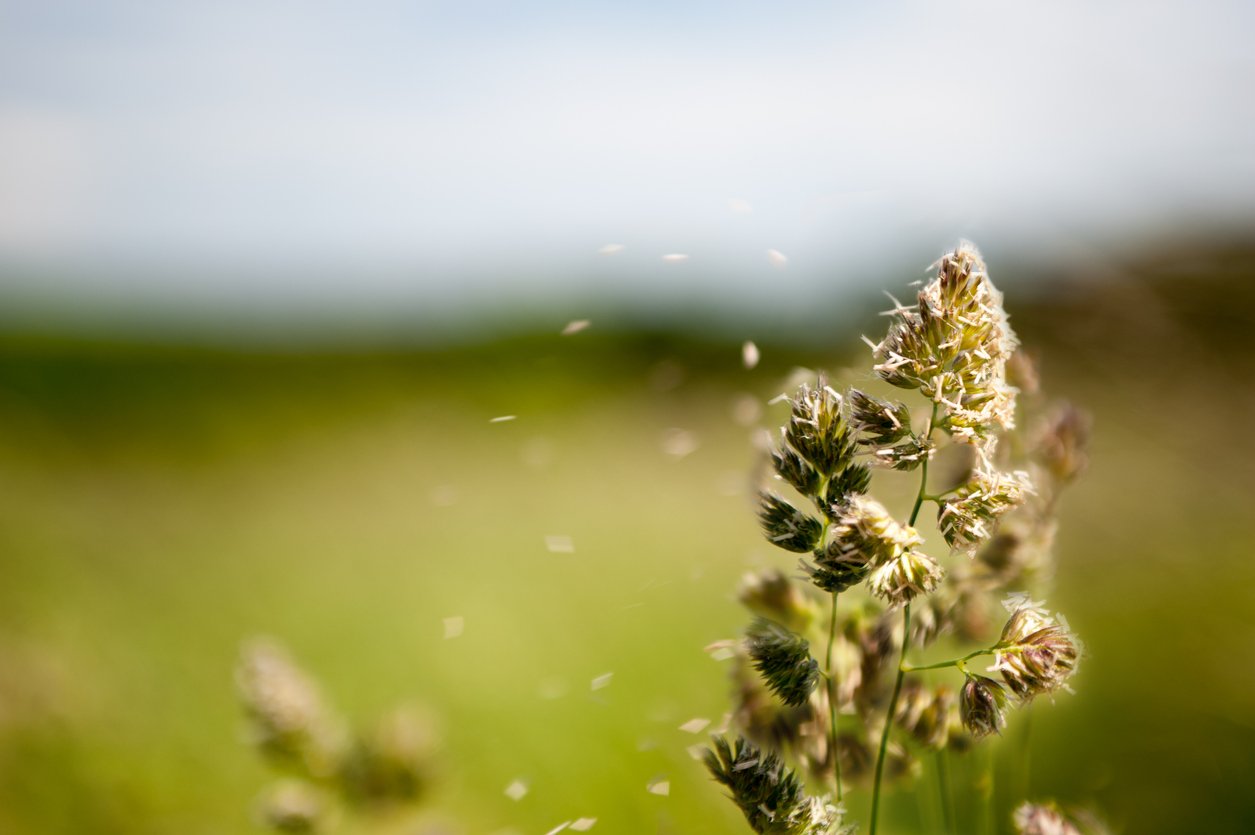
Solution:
(583, 824)
(722, 654)
(453, 626)
(746, 409)
(740, 207)
(777, 258)
(695, 726)
(444, 495)
(662, 787)
(601, 681)
(723, 726)
(675, 258)
(552, 688)
(502, 419)
(558, 828)
(610, 249)
(698, 751)
(749, 354)
(575, 327)
(679, 442)
(560, 544)
(516, 791)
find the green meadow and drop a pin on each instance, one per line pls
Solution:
(158, 505)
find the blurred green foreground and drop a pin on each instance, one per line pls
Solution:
(161, 505)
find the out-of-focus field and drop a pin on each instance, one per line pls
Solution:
(160, 505)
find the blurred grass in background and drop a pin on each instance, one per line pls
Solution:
(160, 505)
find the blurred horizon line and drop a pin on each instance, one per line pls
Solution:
(303, 315)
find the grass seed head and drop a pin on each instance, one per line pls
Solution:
(783, 659)
(394, 762)
(878, 422)
(926, 714)
(768, 793)
(900, 580)
(954, 346)
(773, 595)
(293, 806)
(982, 706)
(1037, 653)
(972, 515)
(785, 526)
(851, 481)
(817, 430)
(794, 470)
(288, 722)
(1061, 441)
(1042, 819)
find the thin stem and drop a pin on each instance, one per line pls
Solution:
(943, 778)
(987, 793)
(906, 639)
(893, 708)
(1026, 742)
(832, 697)
(958, 662)
(923, 481)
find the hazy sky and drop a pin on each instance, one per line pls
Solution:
(380, 149)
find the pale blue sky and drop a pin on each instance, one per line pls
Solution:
(309, 152)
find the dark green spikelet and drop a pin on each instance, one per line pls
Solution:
(794, 470)
(783, 658)
(878, 422)
(817, 430)
(837, 569)
(767, 793)
(907, 455)
(786, 526)
(853, 480)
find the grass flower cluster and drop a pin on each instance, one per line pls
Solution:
(325, 767)
(858, 717)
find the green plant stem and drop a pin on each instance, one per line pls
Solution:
(906, 640)
(987, 799)
(958, 662)
(1026, 742)
(832, 698)
(923, 479)
(943, 780)
(893, 706)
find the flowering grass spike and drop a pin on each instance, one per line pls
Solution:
(955, 350)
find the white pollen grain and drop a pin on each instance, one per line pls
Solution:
(560, 544)
(675, 258)
(695, 726)
(679, 442)
(502, 419)
(516, 791)
(749, 354)
(575, 326)
(453, 626)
